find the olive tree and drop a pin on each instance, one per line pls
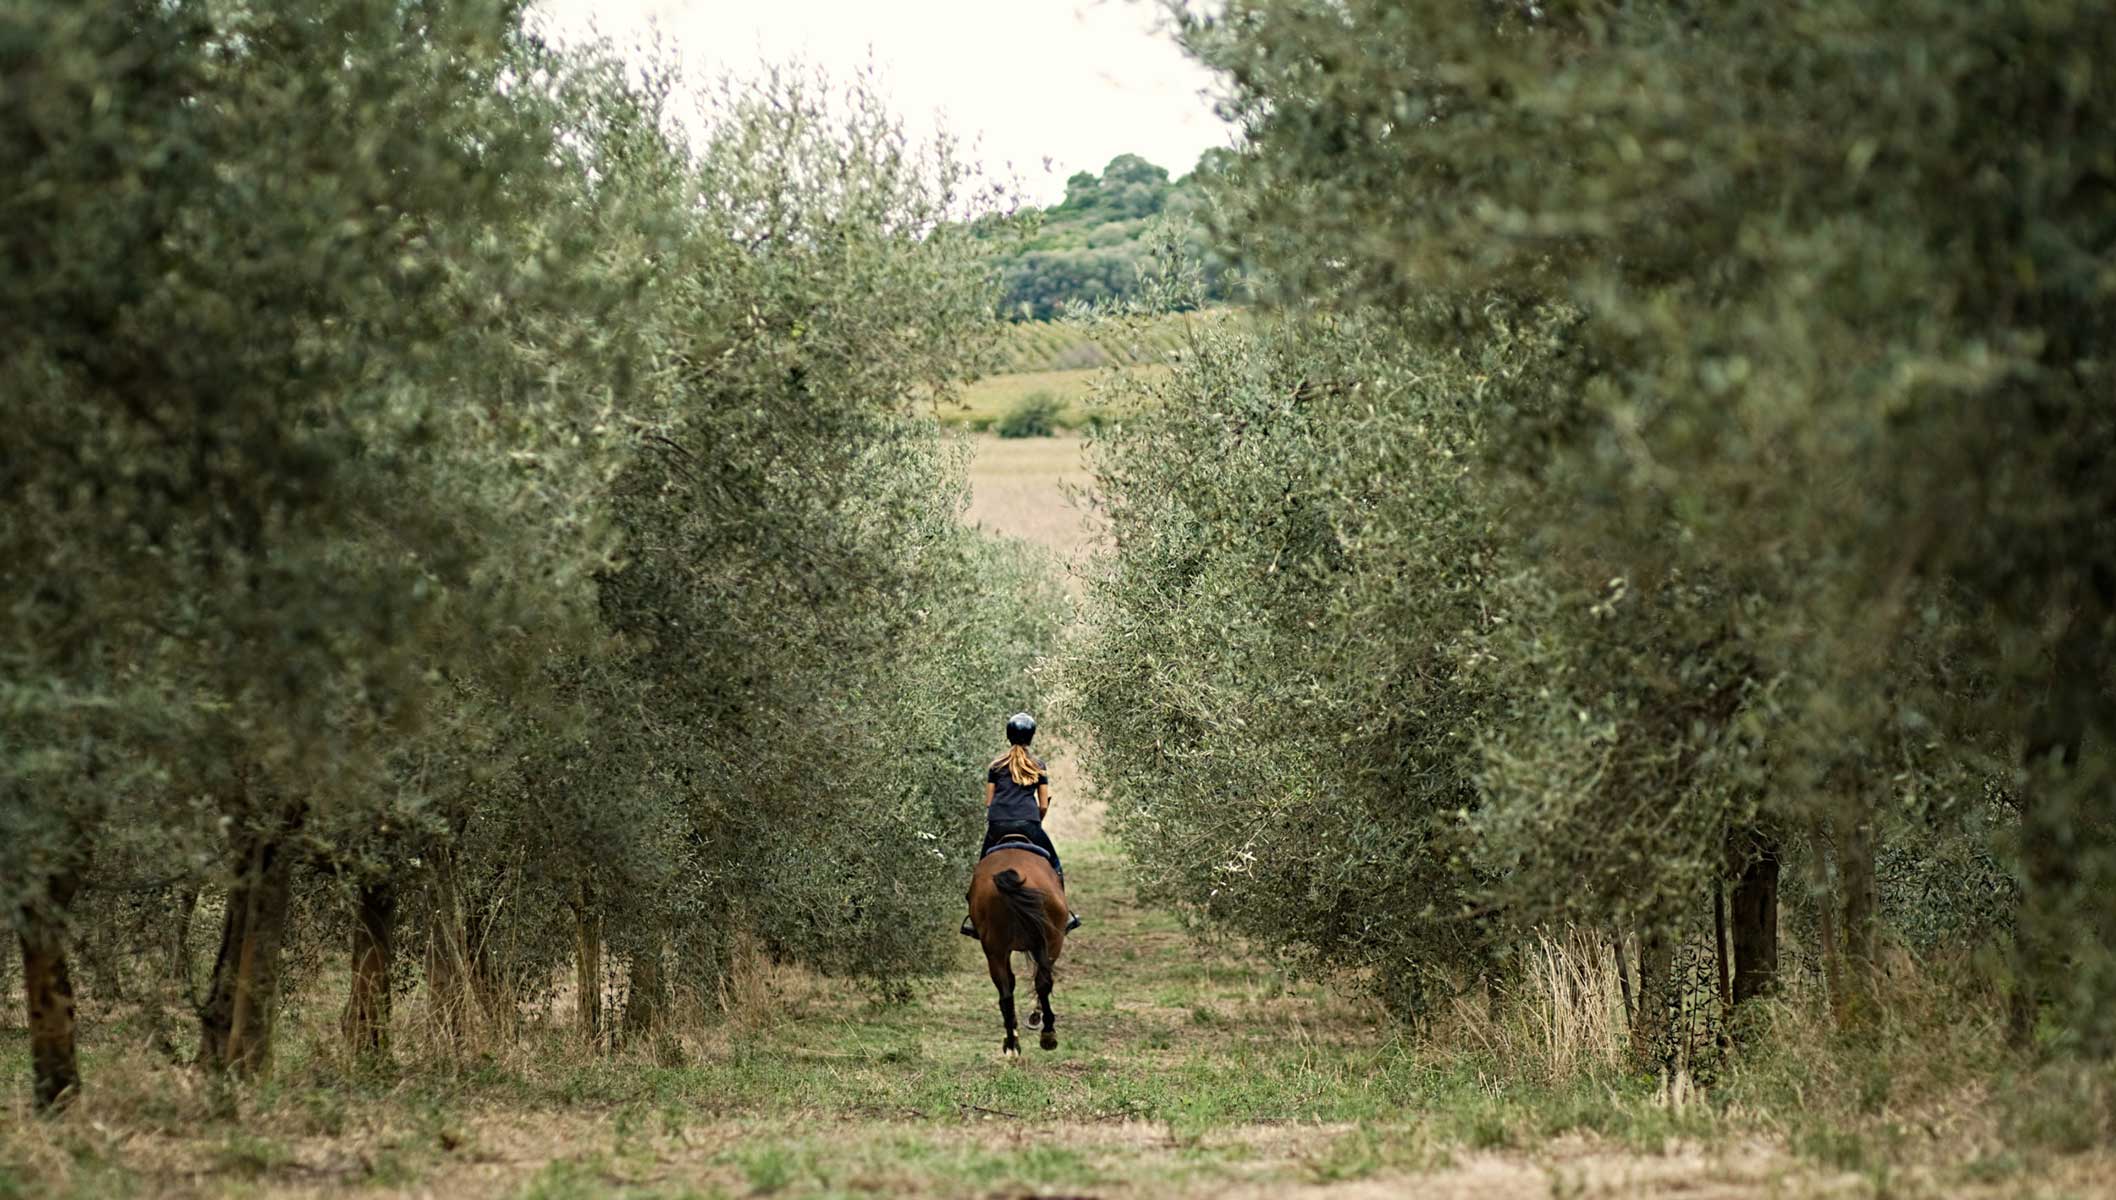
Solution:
(1823, 447)
(275, 465)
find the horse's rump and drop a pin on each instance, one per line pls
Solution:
(1016, 904)
(1026, 906)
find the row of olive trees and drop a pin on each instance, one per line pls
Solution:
(1685, 452)
(437, 494)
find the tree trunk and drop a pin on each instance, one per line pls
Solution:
(1755, 913)
(1653, 1032)
(235, 1024)
(1825, 917)
(1719, 944)
(179, 947)
(2051, 819)
(47, 986)
(1856, 878)
(1623, 979)
(646, 992)
(587, 944)
(366, 1020)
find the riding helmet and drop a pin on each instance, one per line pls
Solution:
(1021, 729)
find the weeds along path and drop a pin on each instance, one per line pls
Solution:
(1181, 1072)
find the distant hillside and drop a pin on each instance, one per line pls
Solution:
(1031, 346)
(1090, 247)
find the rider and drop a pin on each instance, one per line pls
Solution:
(1017, 794)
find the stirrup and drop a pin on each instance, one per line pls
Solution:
(1072, 920)
(968, 930)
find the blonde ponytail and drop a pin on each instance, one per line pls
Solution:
(1022, 766)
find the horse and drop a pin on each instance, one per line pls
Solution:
(1016, 904)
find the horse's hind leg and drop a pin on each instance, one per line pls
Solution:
(1002, 967)
(1049, 1040)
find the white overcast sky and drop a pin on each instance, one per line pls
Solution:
(1076, 82)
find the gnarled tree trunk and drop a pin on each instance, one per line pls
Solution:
(587, 962)
(235, 1024)
(646, 991)
(2051, 824)
(366, 1020)
(1653, 1032)
(47, 985)
(1753, 921)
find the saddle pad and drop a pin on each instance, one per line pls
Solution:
(1018, 843)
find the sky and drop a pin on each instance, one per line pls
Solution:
(1036, 89)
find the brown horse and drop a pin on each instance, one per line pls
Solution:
(1016, 904)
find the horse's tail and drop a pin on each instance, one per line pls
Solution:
(1025, 907)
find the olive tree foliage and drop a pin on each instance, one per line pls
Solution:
(1806, 508)
(1281, 669)
(435, 487)
(273, 462)
(809, 643)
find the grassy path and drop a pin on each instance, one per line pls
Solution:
(1181, 1072)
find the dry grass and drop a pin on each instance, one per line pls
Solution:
(1032, 488)
(1184, 1072)
(1563, 1018)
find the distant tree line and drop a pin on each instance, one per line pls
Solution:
(1675, 496)
(450, 519)
(1099, 244)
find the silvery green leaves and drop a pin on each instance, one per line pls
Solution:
(445, 486)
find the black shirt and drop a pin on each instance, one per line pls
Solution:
(1013, 801)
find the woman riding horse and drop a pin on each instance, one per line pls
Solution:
(1017, 795)
(1017, 895)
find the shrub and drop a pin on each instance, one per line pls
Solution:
(1034, 415)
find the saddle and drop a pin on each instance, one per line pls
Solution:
(1015, 841)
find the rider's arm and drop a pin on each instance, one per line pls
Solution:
(1043, 799)
(990, 788)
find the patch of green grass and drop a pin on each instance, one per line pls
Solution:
(1369, 1150)
(569, 1179)
(769, 1169)
(983, 403)
(805, 1164)
(249, 1155)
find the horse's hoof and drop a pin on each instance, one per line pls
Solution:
(1035, 1020)
(1048, 1041)
(1010, 1052)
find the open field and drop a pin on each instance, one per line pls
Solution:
(1115, 341)
(1066, 359)
(986, 400)
(1034, 488)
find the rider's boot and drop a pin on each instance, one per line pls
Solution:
(968, 930)
(1072, 919)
